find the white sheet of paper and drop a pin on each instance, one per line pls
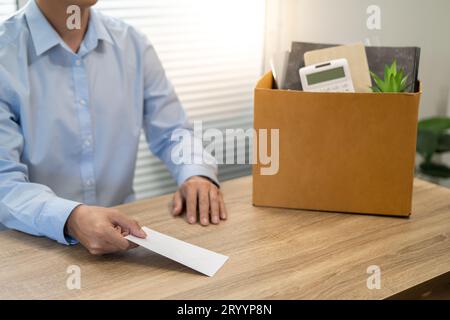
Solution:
(194, 257)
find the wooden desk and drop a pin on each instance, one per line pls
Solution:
(274, 254)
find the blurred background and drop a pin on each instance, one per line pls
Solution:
(215, 50)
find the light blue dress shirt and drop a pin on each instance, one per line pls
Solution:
(70, 123)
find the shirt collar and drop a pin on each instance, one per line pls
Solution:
(96, 31)
(44, 37)
(42, 33)
(97, 24)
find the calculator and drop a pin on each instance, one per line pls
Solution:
(331, 76)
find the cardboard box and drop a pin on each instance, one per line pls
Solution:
(339, 152)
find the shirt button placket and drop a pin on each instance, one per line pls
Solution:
(86, 134)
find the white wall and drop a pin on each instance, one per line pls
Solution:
(404, 23)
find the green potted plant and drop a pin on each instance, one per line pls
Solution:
(394, 80)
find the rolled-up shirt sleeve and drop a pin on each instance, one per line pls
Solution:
(25, 206)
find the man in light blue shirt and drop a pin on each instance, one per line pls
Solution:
(72, 104)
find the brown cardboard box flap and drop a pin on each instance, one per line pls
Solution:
(341, 152)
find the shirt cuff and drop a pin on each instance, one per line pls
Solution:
(189, 171)
(53, 218)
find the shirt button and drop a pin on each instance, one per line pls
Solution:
(89, 183)
(87, 142)
(78, 62)
(83, 102)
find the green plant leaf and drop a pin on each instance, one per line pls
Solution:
(394, 66)
(435, 170)
(432, 137)
(400, 74)
(443, 143)
(437, 125)
(404, 84)
(378, 82)
(375, 89)
(398, 78)
(387, 73)
(427, 144)
(394, 84)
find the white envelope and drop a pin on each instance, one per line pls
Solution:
(194, 257)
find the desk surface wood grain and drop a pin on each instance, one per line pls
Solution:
(274, 254)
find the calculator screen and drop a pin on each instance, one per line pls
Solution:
(324, 76)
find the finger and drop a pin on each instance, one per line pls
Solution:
(191, 205)
(214, 203)
(104, 248)
(223, 209)
(124, 233)
(177, 206)
(128, 224)
(116, 240)
(204, 206)
(132, 245)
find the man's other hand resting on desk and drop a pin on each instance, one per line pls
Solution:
(199, 194)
